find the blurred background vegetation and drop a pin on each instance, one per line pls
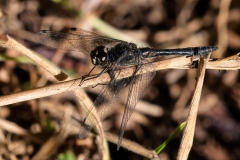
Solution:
(155, 23)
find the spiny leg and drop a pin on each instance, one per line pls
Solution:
(86, 77)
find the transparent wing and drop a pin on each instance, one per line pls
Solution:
(74, 40)
(104, 102)
(137, 86)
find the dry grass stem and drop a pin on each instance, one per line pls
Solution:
(188, 133)
(87, 104)
(130, 145)
(232, 63)
(228, 63)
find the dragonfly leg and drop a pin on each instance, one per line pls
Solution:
(85, 78)
(99, 84)
(112, 76)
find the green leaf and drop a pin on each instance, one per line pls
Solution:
(20, 59)
(175, 132)
(67, 156)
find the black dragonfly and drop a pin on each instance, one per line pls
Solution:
(113, 55)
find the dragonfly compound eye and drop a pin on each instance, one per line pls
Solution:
(99, 56)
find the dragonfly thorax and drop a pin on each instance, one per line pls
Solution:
(99, 56)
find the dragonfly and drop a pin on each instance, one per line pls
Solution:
(114, 55)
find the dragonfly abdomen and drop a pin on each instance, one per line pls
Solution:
(191, 51)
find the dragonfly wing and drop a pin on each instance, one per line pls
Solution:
(104, 102)
(74, 40)
(137, 86)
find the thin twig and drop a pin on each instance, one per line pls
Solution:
(178, 63)
(188, 133)
(132, 146)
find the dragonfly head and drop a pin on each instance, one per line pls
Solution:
(99, 56)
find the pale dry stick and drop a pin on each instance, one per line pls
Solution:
(85, 101)
(132, 146)
(179, 62)
(228, 63)
(55, 71)
(188, 133)
(222, 29)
